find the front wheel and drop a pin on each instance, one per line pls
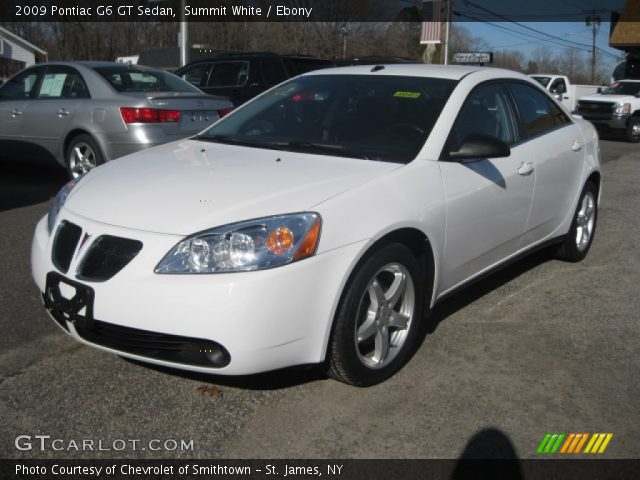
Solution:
(633, 130)
(578, 241)
(377, 322)
(83, 154)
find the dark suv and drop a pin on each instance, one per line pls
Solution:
(242, 76)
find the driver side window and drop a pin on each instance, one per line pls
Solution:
(20, 87)
(486, 111)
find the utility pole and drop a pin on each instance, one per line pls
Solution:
(345, 33)
(183, 37)
(447, 31)
(593, 21)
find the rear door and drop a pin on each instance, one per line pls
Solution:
(230, 78)
(555, 145)
(487, 200)
(15, 95)
(55, 102)
(273, 72)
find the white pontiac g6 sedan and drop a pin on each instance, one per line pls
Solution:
(319, 222)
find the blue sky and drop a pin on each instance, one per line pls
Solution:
(507, 35)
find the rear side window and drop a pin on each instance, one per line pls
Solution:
(129, 79)
(229, 74)
(534, 108)
(62, 82)
(559, 117)
(273, 72)
(19, 87)
(197, 75)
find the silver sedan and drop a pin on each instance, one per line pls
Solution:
(86, 113)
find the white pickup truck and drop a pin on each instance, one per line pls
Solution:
(615, 108)
(562, 89)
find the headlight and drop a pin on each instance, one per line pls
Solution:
(58, 202)
(623, 108)
(253, 245)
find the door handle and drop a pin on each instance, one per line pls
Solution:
(526, 168)
(16, 113)
(576, 147)
(63, 112)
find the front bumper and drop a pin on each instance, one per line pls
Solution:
(606, 122)
(264, 320)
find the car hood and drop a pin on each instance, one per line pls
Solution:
(188, 186)
(608, 98)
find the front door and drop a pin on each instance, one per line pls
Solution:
(487, 200)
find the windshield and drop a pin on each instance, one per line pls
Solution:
(385, 118)
(544, 81)
(622, 88)
(131, 79)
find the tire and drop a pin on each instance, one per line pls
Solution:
(82, 155)
(358, 353)
(578, 240)
(633, 130)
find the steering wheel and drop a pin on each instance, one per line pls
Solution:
(259, 127)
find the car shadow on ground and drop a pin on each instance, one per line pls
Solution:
(295, 376)
(25, 183)
(275, 380)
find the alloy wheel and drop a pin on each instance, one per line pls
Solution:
(585, 221)
(385, 313)
(82, 158)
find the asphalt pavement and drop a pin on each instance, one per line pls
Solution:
(542, 346)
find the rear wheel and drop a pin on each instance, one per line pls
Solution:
(83, 154)
(377, 322)
(578, 241)
(633, 130)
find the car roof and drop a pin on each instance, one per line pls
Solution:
(450, 72)
(96, 64)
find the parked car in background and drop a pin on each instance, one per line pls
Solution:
(320, 222)
(615, 109)
(373, 60)
(563, 90)
(242, 76)
(86, 113)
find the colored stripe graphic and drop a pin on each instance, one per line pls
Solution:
(581, 443)
(598, 442)
(543, 443)
(568, 442)
(573, 443)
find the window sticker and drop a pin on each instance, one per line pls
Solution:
(413, 95)
(52, 85)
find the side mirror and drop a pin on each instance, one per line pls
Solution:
(599, 90)
(479, 146)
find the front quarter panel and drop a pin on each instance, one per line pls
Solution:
(409, 197)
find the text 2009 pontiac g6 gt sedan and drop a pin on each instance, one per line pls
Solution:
(318, 222)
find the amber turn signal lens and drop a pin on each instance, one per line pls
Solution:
(280, 241)
(310, 242)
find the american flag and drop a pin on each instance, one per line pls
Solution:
(431, 30)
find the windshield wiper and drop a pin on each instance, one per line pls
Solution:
(311, 147)
(225, 139)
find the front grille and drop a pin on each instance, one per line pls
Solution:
(107, 255)
(172, 348)
(64, 245)
(601, 110)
